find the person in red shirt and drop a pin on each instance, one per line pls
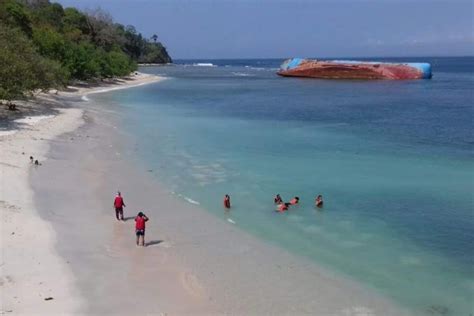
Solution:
(119, 205)
(282, 207)
(140, 228)
(227, 201)
(295, 200)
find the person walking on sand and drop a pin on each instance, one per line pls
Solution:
(227, 201)
(140, 228)
(119, 205)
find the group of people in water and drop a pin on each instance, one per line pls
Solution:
(281, 205)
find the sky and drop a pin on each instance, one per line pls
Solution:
(207, 29)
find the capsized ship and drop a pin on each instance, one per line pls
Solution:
(348, 69)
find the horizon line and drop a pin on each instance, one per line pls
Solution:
(325, 57)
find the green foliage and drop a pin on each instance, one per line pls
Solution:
(117, 63)
(22, 69)
(13, 13)
(48, 15)
(155, 53)
(43, 45)
(75, 26)
(50, 43)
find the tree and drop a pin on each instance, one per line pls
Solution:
(22, 69)
(44, 45)
(49, 14)
(50, 44)
(14, 14)
(75, 25)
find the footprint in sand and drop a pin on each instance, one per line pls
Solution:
(191, 284)
(10, 207)
(5, 280)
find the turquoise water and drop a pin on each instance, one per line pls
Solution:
(393, 161)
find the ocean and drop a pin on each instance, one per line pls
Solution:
(392, 159)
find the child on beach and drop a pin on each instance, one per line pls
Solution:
(140, 228)
(119, 205)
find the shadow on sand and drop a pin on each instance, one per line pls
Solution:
(153, 242)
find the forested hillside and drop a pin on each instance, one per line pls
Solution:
(44, 45)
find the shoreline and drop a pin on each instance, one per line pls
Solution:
(188, 266)
(34, 278)
(45, 105)
(194, 263)
(134, 80)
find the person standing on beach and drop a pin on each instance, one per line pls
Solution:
(119, 205)
(140, 228)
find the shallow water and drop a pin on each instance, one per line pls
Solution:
(393, 160)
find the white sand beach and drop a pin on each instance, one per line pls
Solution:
(31, 270)
(34, 279)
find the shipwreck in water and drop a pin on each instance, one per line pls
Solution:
(347, 69)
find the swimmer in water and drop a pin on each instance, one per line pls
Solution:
(295, 200)
(319, 201)
(282, 207)
(278, 199)
(227, 201)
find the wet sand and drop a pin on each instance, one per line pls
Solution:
(194, 263)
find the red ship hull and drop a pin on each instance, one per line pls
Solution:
(353, 70)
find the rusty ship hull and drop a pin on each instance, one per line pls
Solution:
(341, 69)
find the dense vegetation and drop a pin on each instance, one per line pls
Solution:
(44, 45)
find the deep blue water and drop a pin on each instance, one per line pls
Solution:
(393, 160)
